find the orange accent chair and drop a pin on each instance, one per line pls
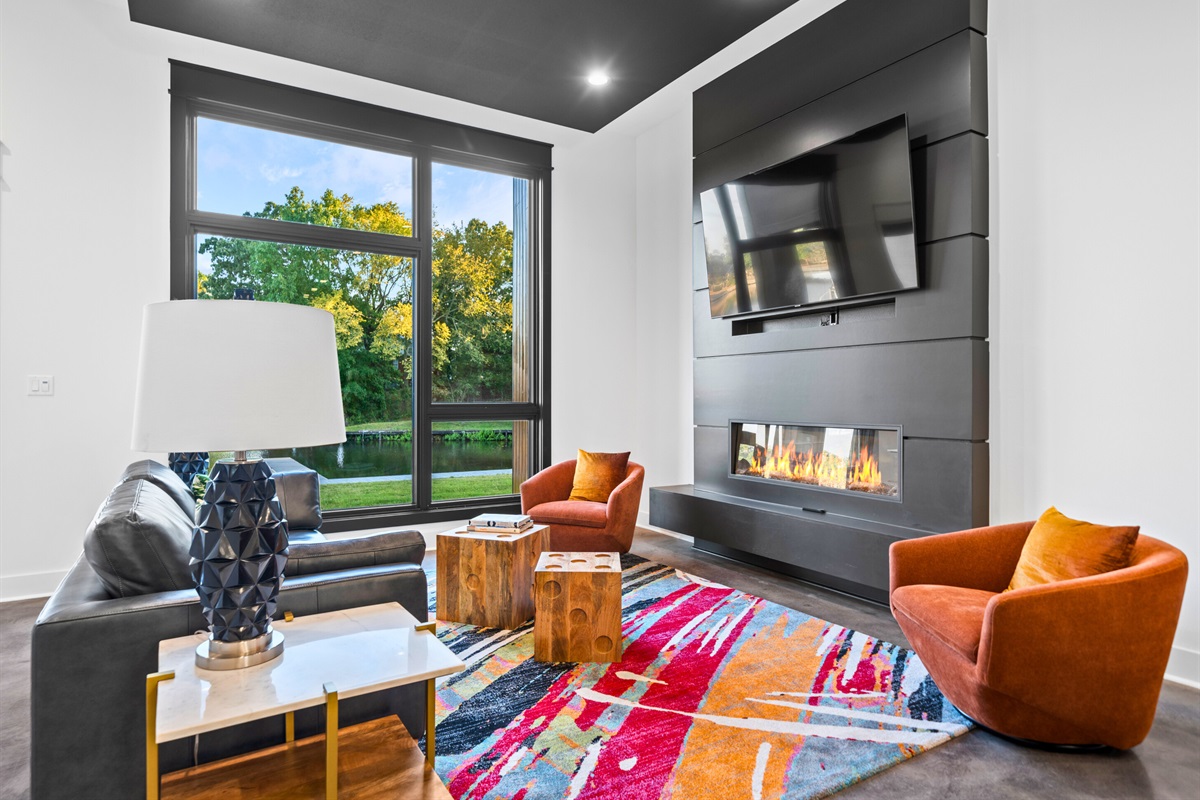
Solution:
(1072, 663)
(582, 525)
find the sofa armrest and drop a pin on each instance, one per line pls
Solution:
(91, 655)
(395, 547)
(979, 558)
(552, 483)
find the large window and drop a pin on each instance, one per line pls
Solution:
(425, 240)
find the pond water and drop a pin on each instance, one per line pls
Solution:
(368, 459)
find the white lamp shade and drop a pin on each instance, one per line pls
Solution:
(236, 375)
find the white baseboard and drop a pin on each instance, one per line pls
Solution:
(643, 521)
(34, 584)
(1184, 666)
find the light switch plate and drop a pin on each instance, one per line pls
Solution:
(40, 385)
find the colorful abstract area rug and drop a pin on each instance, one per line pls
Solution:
(719, 694)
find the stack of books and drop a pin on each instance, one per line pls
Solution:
(501, 523)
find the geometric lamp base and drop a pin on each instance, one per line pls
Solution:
(212, 654)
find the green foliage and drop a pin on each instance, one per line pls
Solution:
(199, 484)
(370, 297)
(472, 312)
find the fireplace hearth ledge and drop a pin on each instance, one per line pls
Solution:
(840, 552)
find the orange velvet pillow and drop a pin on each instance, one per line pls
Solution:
(597, 474)
(1059, 548)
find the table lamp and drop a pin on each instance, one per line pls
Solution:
(268, 375)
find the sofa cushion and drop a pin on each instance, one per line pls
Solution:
(949, 613)
(570, 512)
(164, 478)
(1060, 548)
(138, 541)
(597, 474)
(299, 492)
(395, 547)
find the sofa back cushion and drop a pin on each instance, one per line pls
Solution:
(1059, 548)
(164, 478)
(299, 492)
(138, 542)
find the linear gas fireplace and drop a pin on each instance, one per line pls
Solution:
(863, 461)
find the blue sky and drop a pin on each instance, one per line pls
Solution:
(239, 168)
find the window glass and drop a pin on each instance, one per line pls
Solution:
(480, 221)
(262, 173)
(370, 297)
(479, 458)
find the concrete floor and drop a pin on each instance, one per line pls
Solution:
(978, 765)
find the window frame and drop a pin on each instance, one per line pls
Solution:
(203, 92)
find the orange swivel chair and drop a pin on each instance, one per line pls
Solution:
(1074, 663)
(579, 524)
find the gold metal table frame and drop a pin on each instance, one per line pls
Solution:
(154, 779)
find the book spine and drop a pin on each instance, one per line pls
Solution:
(496, 529)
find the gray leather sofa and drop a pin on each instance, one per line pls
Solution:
(97, 637)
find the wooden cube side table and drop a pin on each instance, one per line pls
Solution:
(486, 579)
(578, 602)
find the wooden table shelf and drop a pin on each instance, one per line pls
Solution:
(376, 760)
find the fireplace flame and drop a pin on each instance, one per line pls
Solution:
(825, 469)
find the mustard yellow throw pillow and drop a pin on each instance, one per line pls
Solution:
(1059, 548)
(597, 474)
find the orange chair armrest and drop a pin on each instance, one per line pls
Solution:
(1079, 633)
(551, 484)
(980, 558)
(625, 500)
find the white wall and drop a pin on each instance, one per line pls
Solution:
(83, 246)
(1095, 125)
(664, 308)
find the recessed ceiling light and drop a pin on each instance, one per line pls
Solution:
(597, 78)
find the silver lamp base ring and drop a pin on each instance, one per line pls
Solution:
(212, 654)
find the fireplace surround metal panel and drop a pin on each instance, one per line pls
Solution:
(807, 546)
(917, 360)
(942, 90)
(852, 40)
(941, 484)
(934, 389)
(953, 305)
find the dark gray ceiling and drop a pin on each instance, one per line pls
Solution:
(529, 57)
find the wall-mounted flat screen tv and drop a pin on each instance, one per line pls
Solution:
(831, 224)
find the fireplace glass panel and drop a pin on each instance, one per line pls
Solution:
(859, 460)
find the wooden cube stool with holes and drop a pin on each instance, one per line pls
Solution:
(578, 607)
(485, 578)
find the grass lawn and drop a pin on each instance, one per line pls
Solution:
(385, 493)
(452, 425)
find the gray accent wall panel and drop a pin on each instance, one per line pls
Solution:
(699, 267)
(951, 304)
(915, 359)
(850, 41)
(942, 90)
(951, 199)
(930, 388)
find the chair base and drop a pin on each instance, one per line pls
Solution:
(1049, 747)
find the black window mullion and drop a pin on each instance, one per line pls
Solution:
(422, 339)
(479, 411)
(201, 92)
(275, 230)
